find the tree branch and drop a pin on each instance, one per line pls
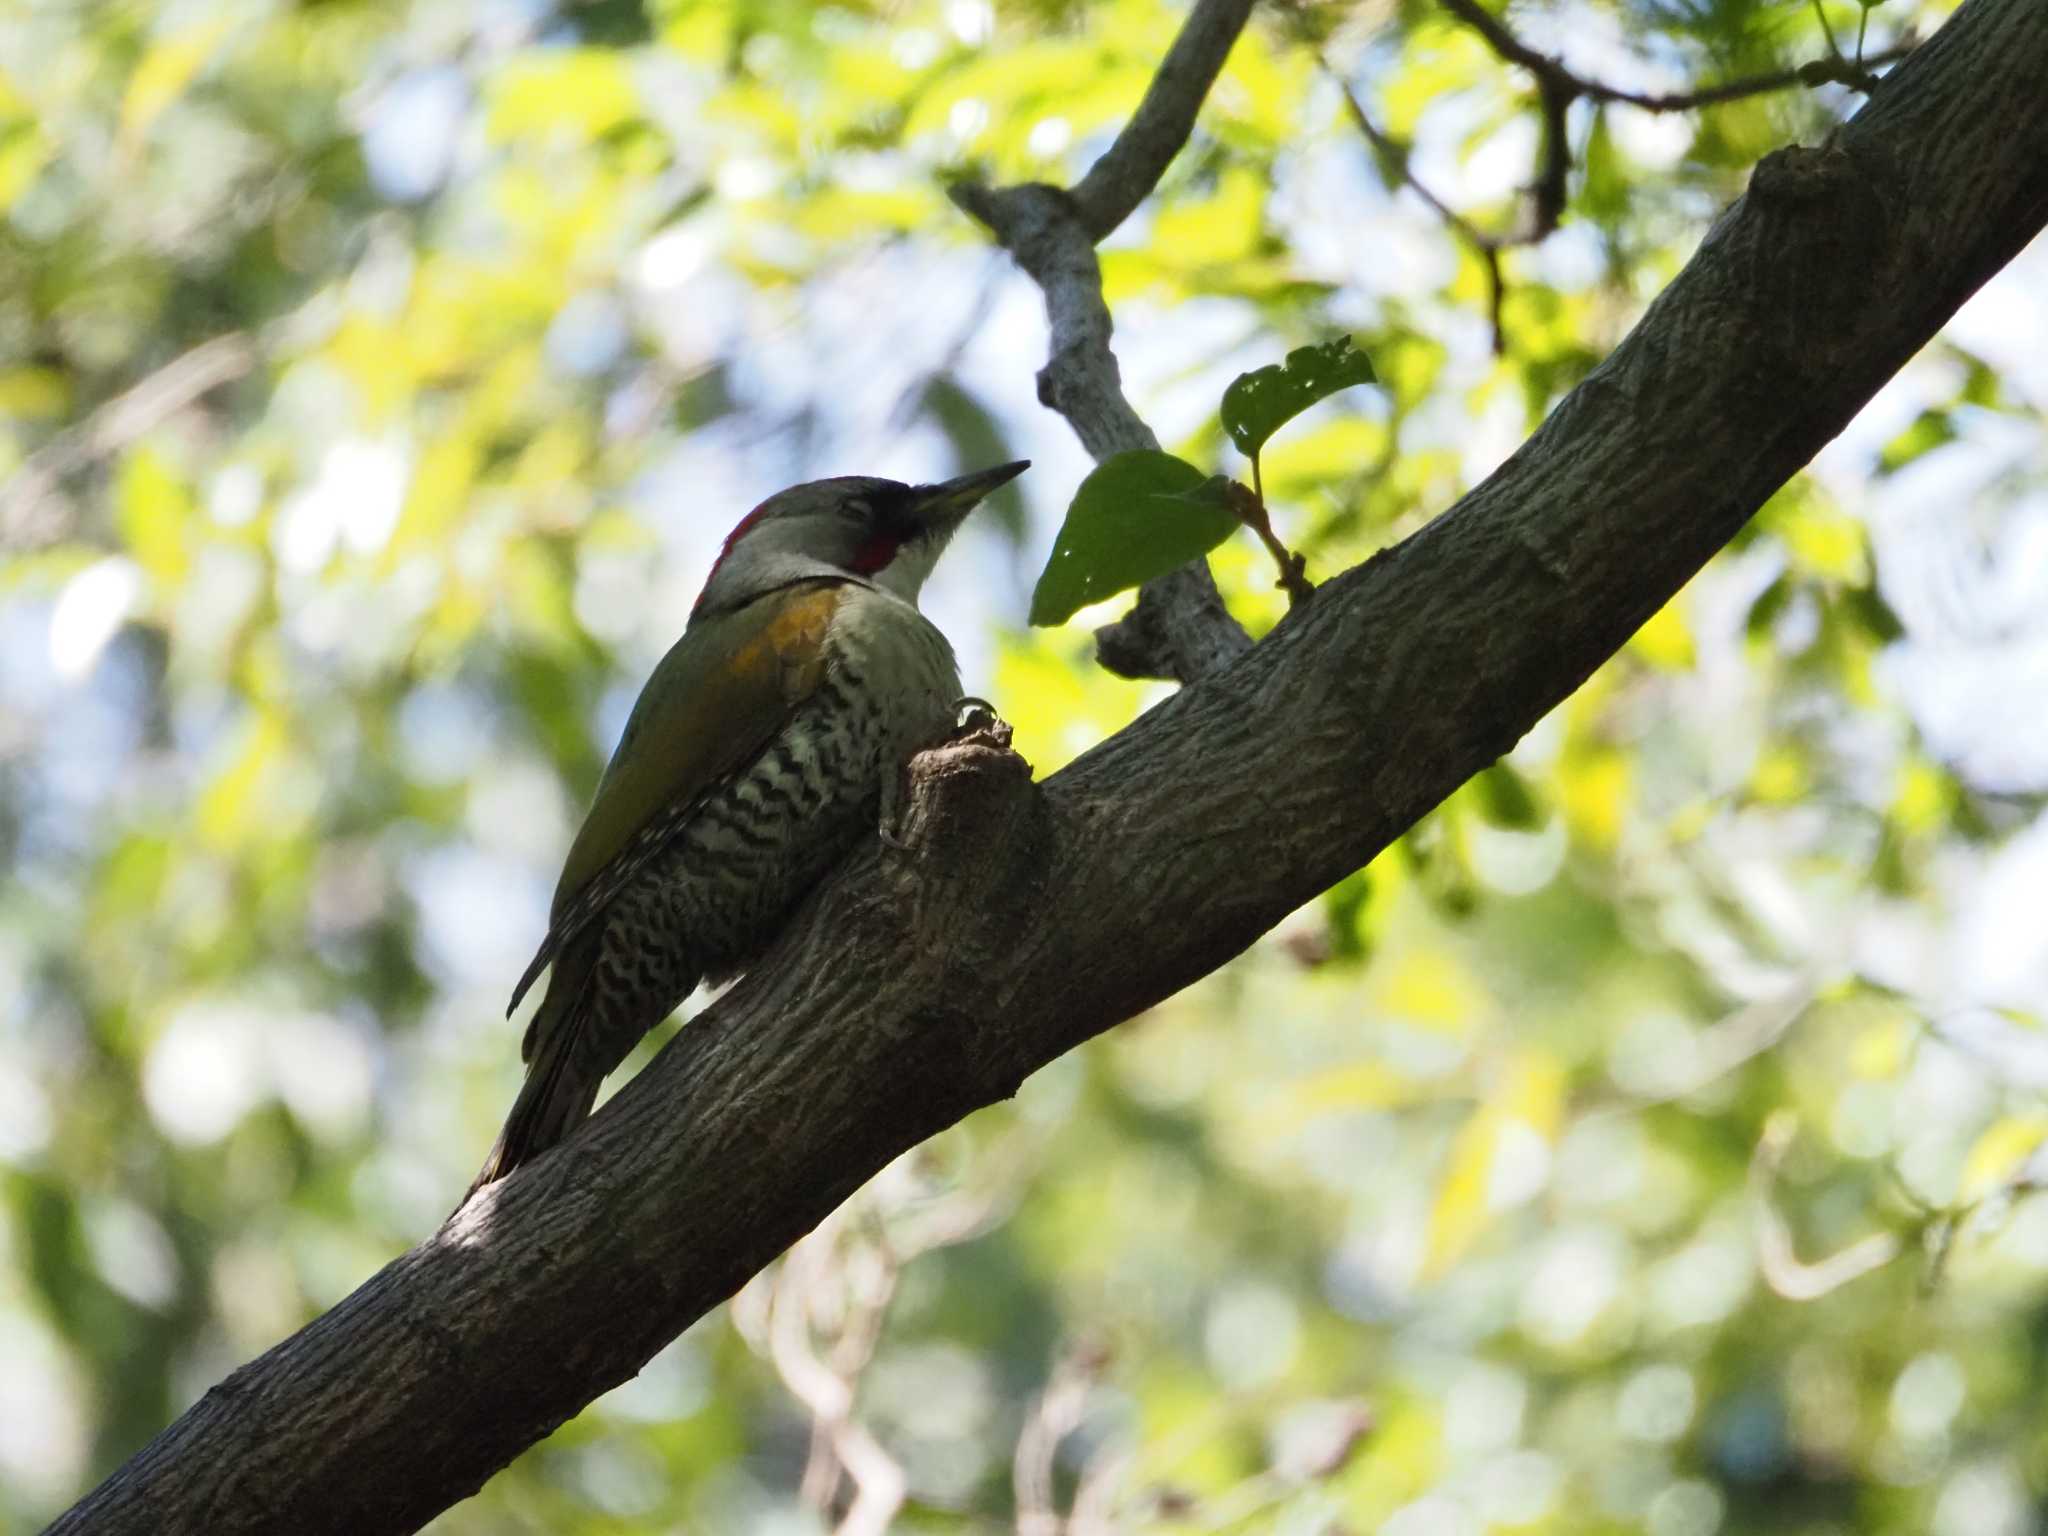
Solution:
(1557, 87)
(917, 986)
(1126, 174)
(1553, 76)
(1180, 628)
(1395, 162)
(25, 518)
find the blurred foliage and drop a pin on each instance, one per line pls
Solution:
(1647, 1142)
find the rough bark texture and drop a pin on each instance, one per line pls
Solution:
(920, 985)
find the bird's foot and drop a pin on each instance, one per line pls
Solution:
(978, 717)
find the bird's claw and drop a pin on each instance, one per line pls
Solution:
(978, 717)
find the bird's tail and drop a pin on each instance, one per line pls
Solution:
(557, 1094)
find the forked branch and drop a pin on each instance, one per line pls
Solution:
(1180, 628)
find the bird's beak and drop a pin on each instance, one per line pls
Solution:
(951, 500)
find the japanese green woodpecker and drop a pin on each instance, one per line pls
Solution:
(771, 736)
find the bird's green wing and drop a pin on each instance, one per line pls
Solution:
(713, 704)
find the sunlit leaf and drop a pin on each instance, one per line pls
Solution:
(1781, 775)
(154, 509)
(24, 151)
(1605, 184)
(1430, 987)
(1331, 451)
(1824, 541)
(32, 394)
(1884, 1047)
(1259, 403)
(1929, 430)
(1924, 797)
(233, 806)
(1665, 640)
(1999, 1153)
(1490, 1165)
(1223, 226)
(571, 92)
(162, 77)
(1597, 787)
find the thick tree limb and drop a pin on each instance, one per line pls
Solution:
(919, 986)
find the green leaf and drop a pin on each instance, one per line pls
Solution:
(1930, 430)
(153, 511)
(1261, 402)
(1505, 798)
(1606, 184)
(1866, 607)
(1138, 515)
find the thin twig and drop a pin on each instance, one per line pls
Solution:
(839, 1441)
(1557, 88)
(1056, 1415)
(1552, 73)
(839, 1282)
(1395, 158)
(130, 414)
(1820, 12)
(1095, 1499)
(1250, 507)
(1815, 72)
(1778, 1261)
(1547, 192)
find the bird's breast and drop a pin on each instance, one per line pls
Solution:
(892, 660)
(754, 847)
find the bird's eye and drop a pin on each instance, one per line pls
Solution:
(857, 507)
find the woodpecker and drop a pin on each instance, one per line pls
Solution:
(770, 737)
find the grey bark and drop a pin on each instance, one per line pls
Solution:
(919, 985)
(1179, 628)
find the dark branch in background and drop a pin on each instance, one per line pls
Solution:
(1394, 162)
(1557, 87)
(1829, 71)
(1554, 161)
(1552, 72)
(1179, 628)
(1019, 919)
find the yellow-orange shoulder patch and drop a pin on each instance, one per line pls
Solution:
(714, 702)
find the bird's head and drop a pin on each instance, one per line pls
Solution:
(880, 530)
